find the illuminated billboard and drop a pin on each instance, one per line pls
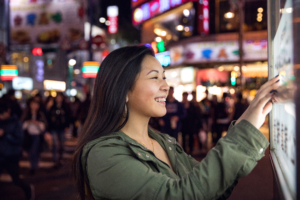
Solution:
(135, 3)
(8, 72)
(154, 8)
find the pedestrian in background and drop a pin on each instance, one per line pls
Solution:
(59, 122)
(239, 106)
(206, 109)
(11, 139)
(172, 121)
(190, 124)
(75, 105)
(222, 120)
(34, 125)
(16, 109)
(39, 98)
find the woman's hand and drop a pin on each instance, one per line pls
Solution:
(261, 104)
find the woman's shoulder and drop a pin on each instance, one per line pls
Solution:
(104, 143)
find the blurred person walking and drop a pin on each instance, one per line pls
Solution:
(172, 121)
(206, 108)
(11, 138)
(38, 98)
(222, 120)
(34, 125)
(74, 110)
(59, 122)
(49, 102)
(14, 104)
(239, 106)
(190, 124)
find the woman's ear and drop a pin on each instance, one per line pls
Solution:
(126, 98)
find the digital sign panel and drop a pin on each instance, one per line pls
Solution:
(283, 124)
(154, 8)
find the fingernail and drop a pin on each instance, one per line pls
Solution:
(273, 91)
(277, 76)
(277, 81)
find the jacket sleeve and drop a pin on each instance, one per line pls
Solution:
(114, 174)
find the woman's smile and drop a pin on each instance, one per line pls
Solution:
(161, 100)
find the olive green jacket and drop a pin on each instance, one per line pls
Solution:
(118, 167)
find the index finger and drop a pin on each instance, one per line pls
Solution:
(267, 90)
(268, 83)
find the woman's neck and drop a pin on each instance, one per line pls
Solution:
(33, 112)
(137, 128)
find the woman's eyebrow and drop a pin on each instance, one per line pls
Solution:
(155, 71)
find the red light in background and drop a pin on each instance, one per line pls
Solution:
(154, 47)
(104, 54)
(37, 51)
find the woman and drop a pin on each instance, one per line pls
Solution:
(34, 124)
(119, 157)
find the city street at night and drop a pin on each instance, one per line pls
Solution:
(149, 99)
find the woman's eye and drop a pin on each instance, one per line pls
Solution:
(165, 78)
(154, 78)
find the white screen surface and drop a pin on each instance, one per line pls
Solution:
(283, 130)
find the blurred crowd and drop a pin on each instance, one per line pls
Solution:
(41, 126)
(195, 120)
(44, 123)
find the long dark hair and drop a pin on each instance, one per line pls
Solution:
(27, 114)
(116, 76)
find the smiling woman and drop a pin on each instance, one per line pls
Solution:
(119, 157)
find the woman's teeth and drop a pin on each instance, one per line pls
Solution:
(160, 99)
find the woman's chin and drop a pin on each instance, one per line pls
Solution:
(161, 114)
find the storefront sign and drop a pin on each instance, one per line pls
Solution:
(163, 58)
(22, 83)
(55, 85)
(112, 16)
(45, 21)
(203, 17)
(212, 75)
(98, 40)
(154, 8)
(135, 3)
(187, 75)
(90, 69)
(8, 72)
(218, 52)
(39, 70)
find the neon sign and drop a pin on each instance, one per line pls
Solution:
(40, 70)
(8, 72)
(113, 13)
(135, 3)
(90, 69)
(154, 8)
(203, 18)
(164, 58)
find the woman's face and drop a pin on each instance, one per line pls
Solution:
(59, 99)
(34, 106)
(150, 90)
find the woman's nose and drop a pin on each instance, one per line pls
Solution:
(165, 86)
